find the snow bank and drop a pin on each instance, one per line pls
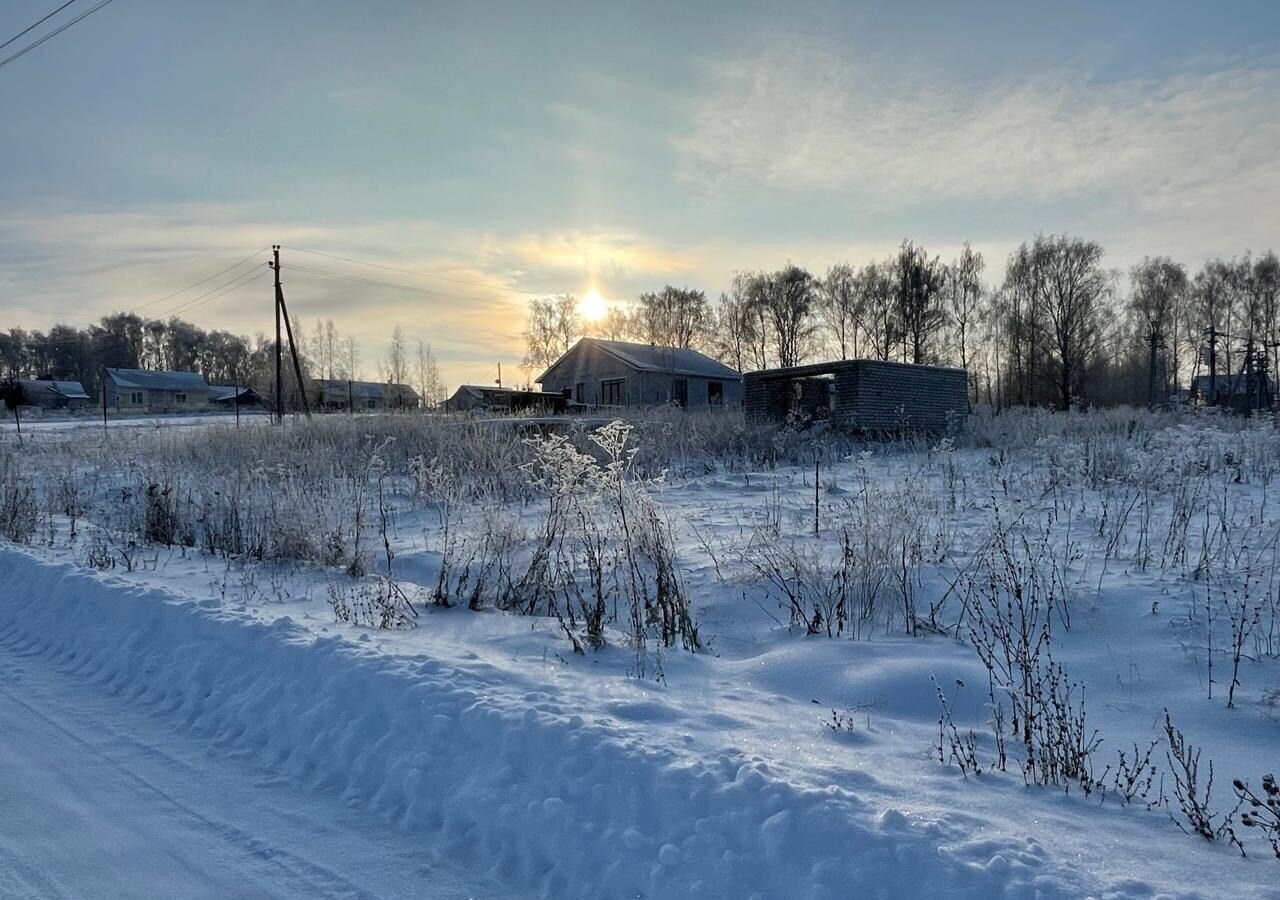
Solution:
(517, 784)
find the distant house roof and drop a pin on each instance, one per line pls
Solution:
(72, 390)
(652, 358)
(146, 380)
(365, 390)
(220, 393)
(480, 391)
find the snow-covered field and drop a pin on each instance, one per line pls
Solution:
(534, 714)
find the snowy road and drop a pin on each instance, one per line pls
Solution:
(98, 800)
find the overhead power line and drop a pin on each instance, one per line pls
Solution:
(373, 265)
(37, 24)
(413, 289)
(57, 31)
(220, 291)
(197, 284)
(217, 292)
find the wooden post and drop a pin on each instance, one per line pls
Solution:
(104, 401)
(351, 403)
(17, 420)
(281, 309)
(279, 380)
(235, 395)
(817, 481)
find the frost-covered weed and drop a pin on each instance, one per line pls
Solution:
(603, 541)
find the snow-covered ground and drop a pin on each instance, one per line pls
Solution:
(54, 421)
(484, 740)
(103, 798)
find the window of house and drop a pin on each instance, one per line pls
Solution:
(136, 398)
(371, 404)
(179, 398)
(613, 391)
(715, 393)
(580, 392)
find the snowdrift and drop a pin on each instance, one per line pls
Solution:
(517, 784)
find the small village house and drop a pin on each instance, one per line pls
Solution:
(595, 372)
(1243, 393)
(860, 395)
(228, 396)
(141, 390)
(52, 394)
(470, 397)
(341, 394)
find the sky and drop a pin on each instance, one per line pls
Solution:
(490, 153)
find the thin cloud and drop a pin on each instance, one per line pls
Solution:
(799, 116)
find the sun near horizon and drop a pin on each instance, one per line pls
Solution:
(593, 307)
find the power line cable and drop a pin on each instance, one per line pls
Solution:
(376, 282)
(201, 281)
(57, 31)
(37, 24)
(207, 297)
(221, 291)
(372, 265)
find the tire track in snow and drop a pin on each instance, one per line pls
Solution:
(51, 703)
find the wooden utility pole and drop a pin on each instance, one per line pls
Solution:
(1154, 342)
(104, 401)
(282, 310)
(1214, 334)
(275, 265)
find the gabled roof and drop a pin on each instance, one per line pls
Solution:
(365, 390)
(652, 358)
(480, 390)
(72, 390)
(146, 380)
(221, 392)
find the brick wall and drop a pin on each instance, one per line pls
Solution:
(870, 396)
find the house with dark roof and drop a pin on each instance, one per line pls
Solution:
(596, 372)
(492, 398)
(231, 395)
(142, 390)
(341, 394)
(48, 393)
(1244, 392)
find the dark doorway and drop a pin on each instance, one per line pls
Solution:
(715, 393)
(681, 392)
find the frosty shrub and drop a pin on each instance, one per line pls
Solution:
(602, 541)
(1262, 811)
(19, 505)
(1192, 793)
(375, 602)
(1012, 600)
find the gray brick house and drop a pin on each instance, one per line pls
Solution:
(860, 395)
(47, 393)
(596, 372)
(142, 390)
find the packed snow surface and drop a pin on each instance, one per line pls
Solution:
(210, 725)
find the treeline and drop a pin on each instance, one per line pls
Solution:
(1059, 327)
(129, 341)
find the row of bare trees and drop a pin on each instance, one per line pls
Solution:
(128, 341)
(1060, 327)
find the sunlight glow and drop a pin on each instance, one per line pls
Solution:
(593, 307)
